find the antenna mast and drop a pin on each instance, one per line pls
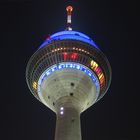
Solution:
(69, 10)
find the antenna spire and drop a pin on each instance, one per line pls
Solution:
(69, 10)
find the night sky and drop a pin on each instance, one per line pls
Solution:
(113, 25)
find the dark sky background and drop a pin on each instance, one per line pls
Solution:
(113, 25)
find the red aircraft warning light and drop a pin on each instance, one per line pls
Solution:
(69, 8)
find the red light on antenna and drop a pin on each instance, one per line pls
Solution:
(69, 8)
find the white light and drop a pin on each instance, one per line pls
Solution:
(78, 67)
(61, 112)
(71, 65)
(60, 67)
(62, 108)
(47, 73)
(39, 82)
(69, 28)
(89, 74)
(69, 19)
(52, 69)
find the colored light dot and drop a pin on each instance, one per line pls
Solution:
(62, 108)
(69, 8)
(61, 112)
(34, 85)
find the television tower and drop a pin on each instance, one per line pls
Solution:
(68, 73)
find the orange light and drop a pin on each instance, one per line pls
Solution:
(98, 71)
(69, 8)
(93, 64)
(34, 85)
(100, 76)
(102, 80)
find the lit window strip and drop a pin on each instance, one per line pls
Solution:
(100, 74)
(34, 85)
(77, 49)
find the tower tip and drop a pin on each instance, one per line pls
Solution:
(69, 8)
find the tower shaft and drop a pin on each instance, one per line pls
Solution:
(68, 124)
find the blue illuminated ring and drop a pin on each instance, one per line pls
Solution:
(72, 35)
(69, 65)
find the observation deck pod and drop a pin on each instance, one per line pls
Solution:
(68, 69)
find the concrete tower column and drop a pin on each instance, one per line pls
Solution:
(68, 124)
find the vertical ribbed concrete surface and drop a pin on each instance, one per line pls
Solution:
(68, 125)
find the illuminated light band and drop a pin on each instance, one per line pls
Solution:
(74, 35)
(69, 65)
(95, 67)
(80, 50)
(74, 48)
(34, 85)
